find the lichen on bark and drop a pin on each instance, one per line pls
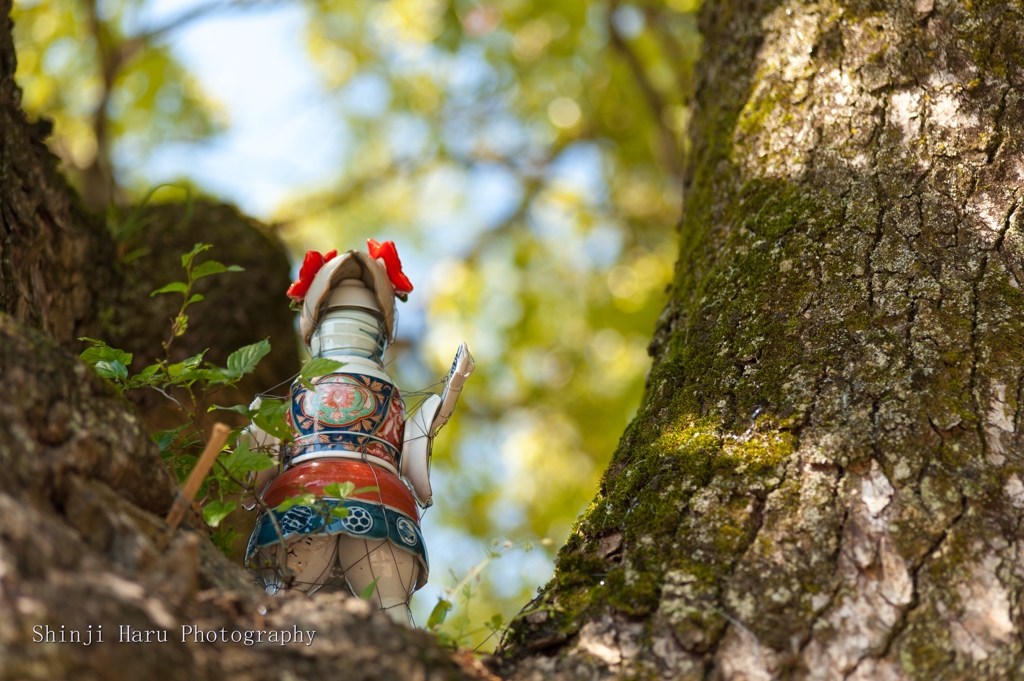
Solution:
(824, 478)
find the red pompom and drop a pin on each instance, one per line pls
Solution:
(389, 254)
(311, 264)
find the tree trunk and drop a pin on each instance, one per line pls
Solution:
(826, 477)
(83, 491)
(824, 480)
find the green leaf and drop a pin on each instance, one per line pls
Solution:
(339, 512)
(339, 490)
(184, 465)
(243, 460)
(223, 540)
(205, 269)
(133, 255)
(216, 511)
(101, 352)
(145, 377)
(165, 438)
(321, 366)
(195, 298)
(365, 490)
(176, 370)
(244, 360)
(238, 409)
(307, 499)
(173, 287)
(193, 375)
(186, 259)
(439, 613)
(271, 418)
(495, 622)
(111, 369)
(368, 591)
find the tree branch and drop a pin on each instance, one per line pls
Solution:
(670, 146)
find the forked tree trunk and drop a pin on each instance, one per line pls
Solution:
(826, 477)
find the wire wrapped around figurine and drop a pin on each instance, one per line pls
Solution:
(345, 513)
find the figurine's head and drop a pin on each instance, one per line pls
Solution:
(368, 282)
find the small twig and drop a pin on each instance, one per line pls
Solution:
(172, 399)
(246, 488)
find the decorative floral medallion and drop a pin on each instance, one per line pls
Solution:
(351, 412)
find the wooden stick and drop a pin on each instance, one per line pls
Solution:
(187, 493)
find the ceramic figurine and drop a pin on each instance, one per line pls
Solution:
(352, 427)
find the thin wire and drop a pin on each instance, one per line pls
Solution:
(395, 558)
(266, 393)
(380, 496)
(319, 581)
(375, 582)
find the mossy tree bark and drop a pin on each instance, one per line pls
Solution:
(824, 480)
(826, 477)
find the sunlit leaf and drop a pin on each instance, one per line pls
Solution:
(101, 352)
(321, 366)
(244, 360)
(271, 418)
(305, 499)
(173, 287)
(215, 511)
(111, 369)
(175, 370)
(205, 269)
(147, 376)
(339, 490)
(243, 460)
(439, 613)
(238, 409)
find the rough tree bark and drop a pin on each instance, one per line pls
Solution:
(825, 478)
(83, 490)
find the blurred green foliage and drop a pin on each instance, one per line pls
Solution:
(107, 88)
(526, 154)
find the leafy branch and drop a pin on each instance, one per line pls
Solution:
(193, 273)
(464, 590)
(188, 384)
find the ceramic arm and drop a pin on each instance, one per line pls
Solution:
(462, 367)
(421, 429)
